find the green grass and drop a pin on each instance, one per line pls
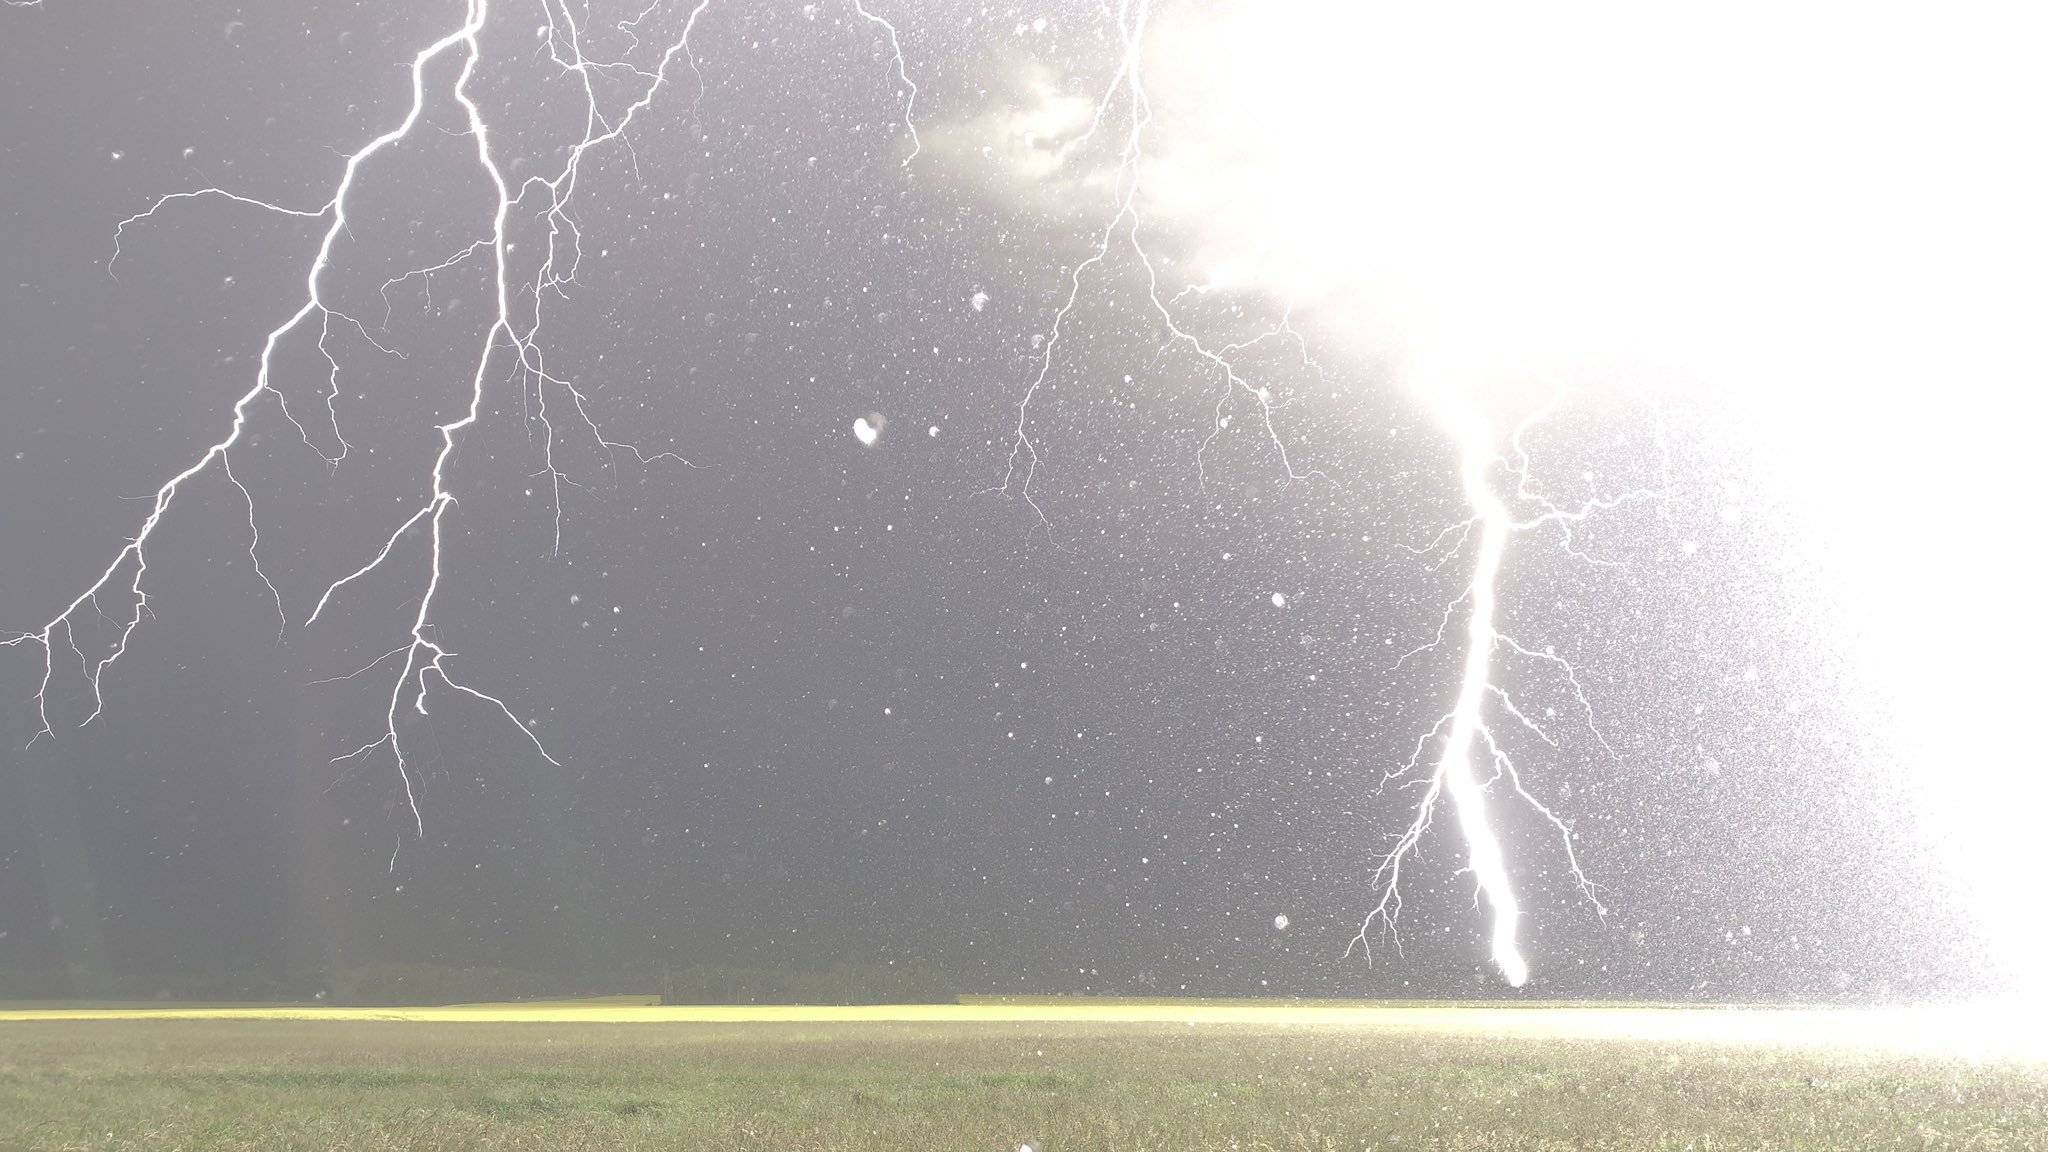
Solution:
(959, 1087)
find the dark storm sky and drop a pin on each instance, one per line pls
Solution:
(815, 701)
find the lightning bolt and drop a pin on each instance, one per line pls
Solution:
(903, 76)
(556, 404)
(1126, 89)
(1468, 743)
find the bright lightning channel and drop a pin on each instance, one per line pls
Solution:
(424, 660)
(1466, 731)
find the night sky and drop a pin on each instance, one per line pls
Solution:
(815, 701)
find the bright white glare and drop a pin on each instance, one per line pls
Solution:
(1818, 222)
(867, 431)
(1731, 191)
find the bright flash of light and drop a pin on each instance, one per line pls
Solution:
(555, 403)
(1136, 189)
(1818, 223)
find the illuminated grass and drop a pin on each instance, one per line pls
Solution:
(965, 1084)
(1997, 1031)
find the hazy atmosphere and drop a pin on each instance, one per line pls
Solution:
(956, 491)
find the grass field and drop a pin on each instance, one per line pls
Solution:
(992, 1076)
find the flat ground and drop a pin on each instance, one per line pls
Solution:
(1359, 1078)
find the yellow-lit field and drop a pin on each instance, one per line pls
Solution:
(2001, 1032)
(996, 1075)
